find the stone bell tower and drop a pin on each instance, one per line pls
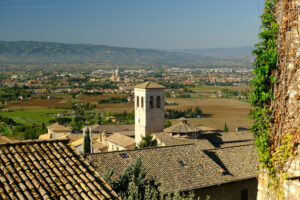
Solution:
(149, 98)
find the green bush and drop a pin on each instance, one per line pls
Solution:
(147, 141)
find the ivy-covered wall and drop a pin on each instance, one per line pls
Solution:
(276, 100)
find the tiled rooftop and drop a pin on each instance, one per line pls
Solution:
(183, 167)
(56, 127)
(150, 85)
(112, 128)
(218, 139)
(5, 139)
(48, 169)
(240, 162)
(121, 140)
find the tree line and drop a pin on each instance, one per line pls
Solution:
(189, 113)
(113, 100)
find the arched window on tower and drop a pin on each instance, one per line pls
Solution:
(151, 102)
(137, 101)
(158, 102)
(142, 102)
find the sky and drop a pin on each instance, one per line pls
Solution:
(155, 24)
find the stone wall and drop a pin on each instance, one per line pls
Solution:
(291, 186)
(285, 119)
(230, 191)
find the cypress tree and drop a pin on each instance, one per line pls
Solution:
(87, 142)
(225, 127)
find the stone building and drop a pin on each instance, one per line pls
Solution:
(149, 109)
(115, 77)
(183, 129)
(57, 130)
(222, 173)
(117, 142)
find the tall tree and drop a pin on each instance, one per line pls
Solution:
(87, 142)
(134, 184)
(147, 141)
(225, 127)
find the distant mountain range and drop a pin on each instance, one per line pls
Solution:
(235, 53)
(30, 52)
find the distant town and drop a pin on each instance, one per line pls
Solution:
(107, 81)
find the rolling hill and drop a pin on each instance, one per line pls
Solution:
(233, 54)
(31, 52)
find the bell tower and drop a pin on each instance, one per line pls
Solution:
(149, 98)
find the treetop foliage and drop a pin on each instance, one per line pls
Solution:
(147, 141)
(134, 184)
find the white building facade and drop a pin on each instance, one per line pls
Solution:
(149, 109)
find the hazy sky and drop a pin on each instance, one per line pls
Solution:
(159, 24)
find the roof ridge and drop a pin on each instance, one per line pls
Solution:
(64, 140)
(160, 147)
(148, 84)
(218, 148)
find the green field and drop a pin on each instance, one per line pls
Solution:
(28, 117)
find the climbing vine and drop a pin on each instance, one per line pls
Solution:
(262, 94)
(274, 139)
(279, 158)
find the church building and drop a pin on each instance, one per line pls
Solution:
(116, 76)
(149, 109)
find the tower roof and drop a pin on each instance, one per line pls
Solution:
(150, 85)
(182, 127)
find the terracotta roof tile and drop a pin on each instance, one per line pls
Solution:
(240, 162)
(5, 139)
(48, 169)
(222, 139)
(112, 128)
(165, 139)
(150, 85)
(182, 127)
(56, 127)
(121, 140)
(201, 168)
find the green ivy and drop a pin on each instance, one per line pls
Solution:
(262, 84)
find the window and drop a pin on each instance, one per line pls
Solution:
(244, 194)
(181, 163)
(124, 155)
(137, 101)
(158, 102)
(142, 102)
(151, 102)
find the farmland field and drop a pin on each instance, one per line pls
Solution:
(218, 123)
(31, 116)
(39, 104)
(216, 107)
(120, 107)
(219, 88)
(217, 110)
(233, 112)
(96, 98)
